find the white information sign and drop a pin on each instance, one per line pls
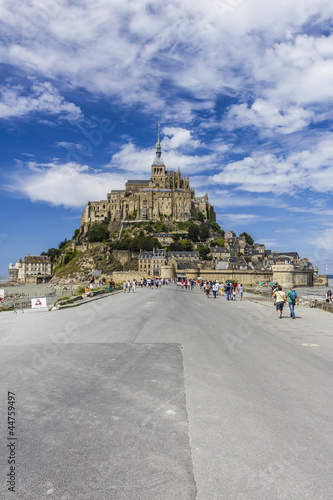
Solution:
(2, 294)
(39, 303)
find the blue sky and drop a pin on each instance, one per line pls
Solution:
(242, 88)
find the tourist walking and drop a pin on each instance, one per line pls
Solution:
(280, 299)
(274, 288)
(227, 289)
(240, 291)
(133, 285)
(207, 289)
(215, 289)
(124, 286)
(292, 298)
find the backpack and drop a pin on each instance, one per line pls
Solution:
(293, 295)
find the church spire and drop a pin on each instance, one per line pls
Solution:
(158, 145)
(158, 158)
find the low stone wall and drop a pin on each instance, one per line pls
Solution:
(37, 279)
(321, 304)
(120, 276)
(264, 292)
(245, 277)
(315, 303)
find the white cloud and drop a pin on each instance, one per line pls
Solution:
(302, 69)
(70, 185)
(43, 98)
(269, 242)
(135, 51)
(287, 230)
(179, 138)
(268, 118)
(225, 199)
(73, 147)
(264, 172)
(241, 219)
(138, 161)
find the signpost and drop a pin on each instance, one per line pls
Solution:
(39, 303)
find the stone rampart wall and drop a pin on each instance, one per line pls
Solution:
(245, 277)
(320, 280)
(120, 276)
(288, 276)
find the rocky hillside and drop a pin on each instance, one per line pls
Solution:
(119, 250)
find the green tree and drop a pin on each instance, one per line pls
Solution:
(200, 216)
(219, 242)
(193, 232)
(149, 228)
(204, 232)
(63, 243)
(53, 253)
(76, 232)
(68, 257)
(248, 238)
(160, 227)
(187, 245)
(98, 232)
(175, 246)
(216, 227)
(118, 245)
(203, 251)
(133, 215)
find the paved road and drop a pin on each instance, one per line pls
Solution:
(164, 394)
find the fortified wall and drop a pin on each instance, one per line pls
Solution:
(285, 275)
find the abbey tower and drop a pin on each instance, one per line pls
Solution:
(166, 193)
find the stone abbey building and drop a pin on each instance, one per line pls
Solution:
(166, 194)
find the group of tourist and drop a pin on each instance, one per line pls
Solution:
(188, 284)
(229, 290)
(149, 283)
(281, 298)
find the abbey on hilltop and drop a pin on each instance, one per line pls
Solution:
(165, 195)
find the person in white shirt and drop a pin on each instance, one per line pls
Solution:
(240, 291)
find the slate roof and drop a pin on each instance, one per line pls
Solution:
(183, 253)
(136, 181)
(43, 259)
